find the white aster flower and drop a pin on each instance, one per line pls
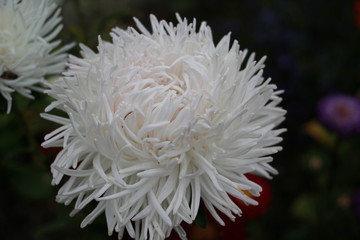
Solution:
(27, 47)
(159, 121)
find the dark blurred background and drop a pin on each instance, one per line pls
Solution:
(313, 51)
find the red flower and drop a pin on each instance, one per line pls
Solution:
(232, 230)
(264, 199)
(357, 13)
(50, 151)
(236, 230)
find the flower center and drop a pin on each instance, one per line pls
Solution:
(157, 76)
(343, 112)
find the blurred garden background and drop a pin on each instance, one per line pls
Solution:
(313, 49)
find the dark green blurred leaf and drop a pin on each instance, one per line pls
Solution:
(297, 233)
(201, 218)
(31, 183)
(304, 208)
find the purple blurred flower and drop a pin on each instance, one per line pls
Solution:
(340, 113)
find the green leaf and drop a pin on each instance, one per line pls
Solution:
(201, 218)
(31, 183)
(304, 208)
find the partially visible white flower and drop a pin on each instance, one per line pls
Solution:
(158, 121)
(28, 51)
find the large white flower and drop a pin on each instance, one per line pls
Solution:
(159, 121)
(27, 49)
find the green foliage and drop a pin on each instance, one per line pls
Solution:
(201, 218)
(312, 48)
